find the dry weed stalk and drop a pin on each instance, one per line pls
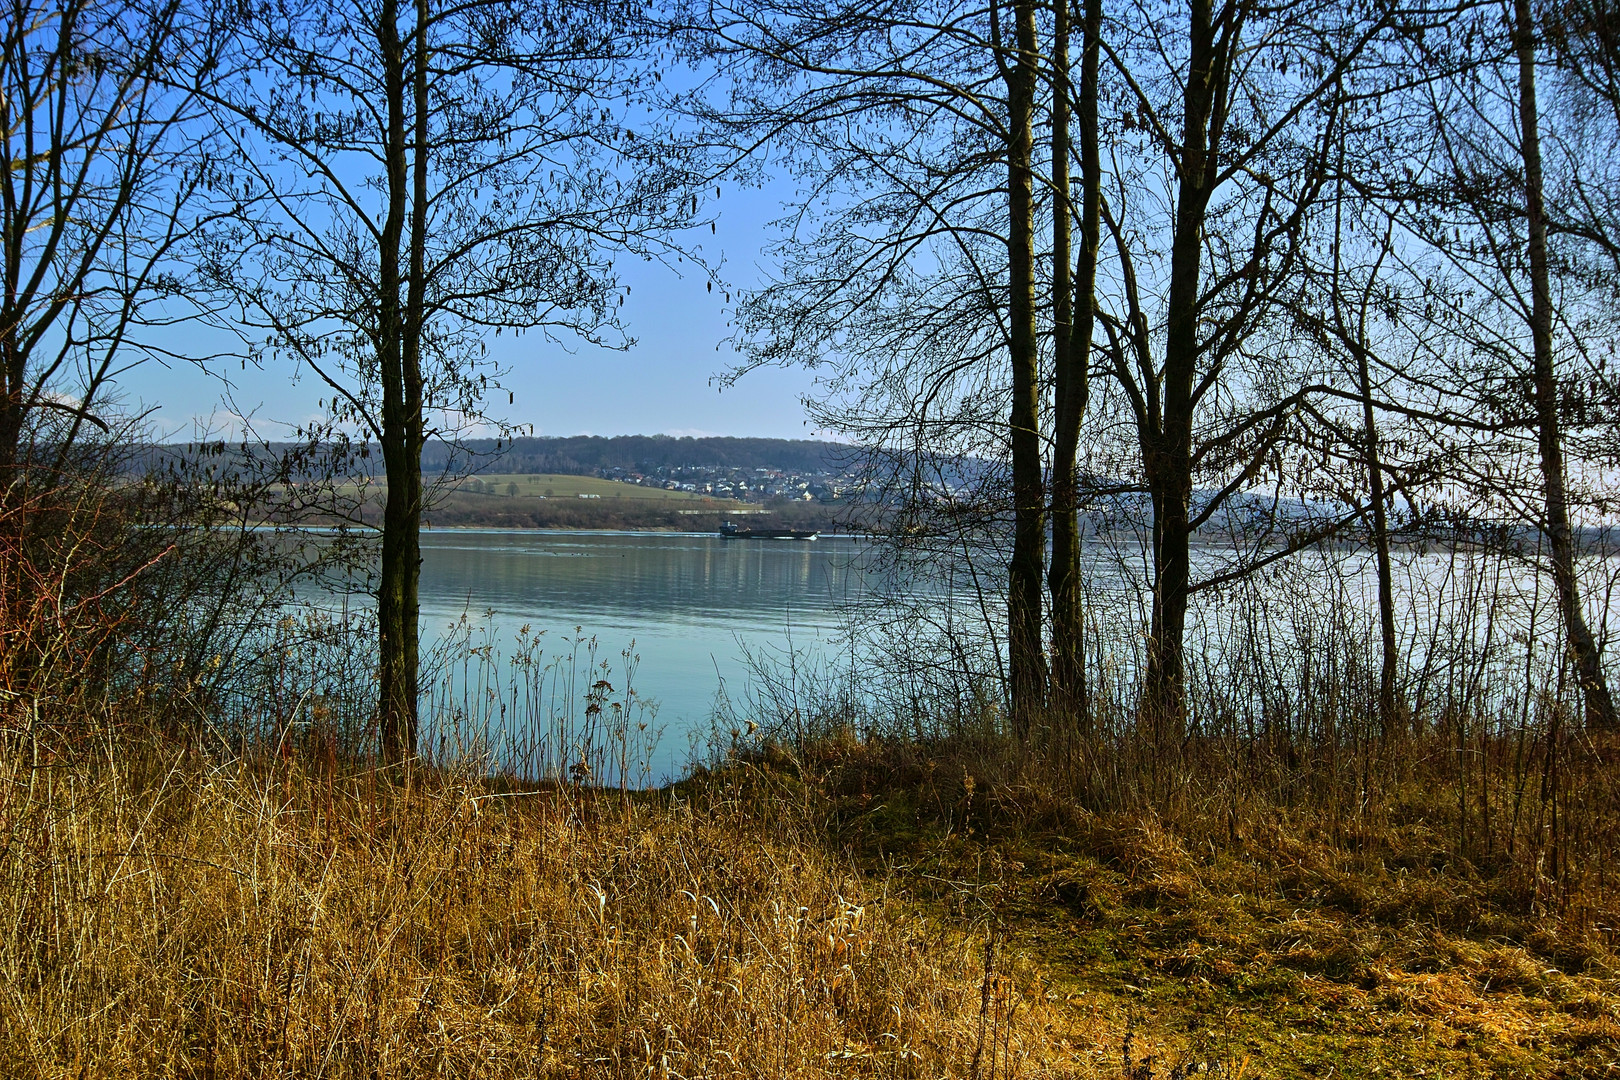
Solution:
(170, 915)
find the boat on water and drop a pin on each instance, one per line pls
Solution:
(733, 532)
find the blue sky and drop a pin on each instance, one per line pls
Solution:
(665, 383)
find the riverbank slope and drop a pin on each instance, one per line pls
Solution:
(173, 913)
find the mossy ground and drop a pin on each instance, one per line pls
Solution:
(1282, 953)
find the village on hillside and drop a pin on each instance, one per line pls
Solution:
(743, 485)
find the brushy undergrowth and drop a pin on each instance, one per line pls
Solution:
(165, 912)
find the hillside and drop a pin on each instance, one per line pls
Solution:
(588, 454)
(562, 501)
(573, 455)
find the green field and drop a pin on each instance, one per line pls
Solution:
(558, 486)
(552, 501)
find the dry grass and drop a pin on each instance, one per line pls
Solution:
(1269, 942)
(170, 914)
(174, 913)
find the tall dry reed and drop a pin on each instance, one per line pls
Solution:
(164, 912)
(1486, 761)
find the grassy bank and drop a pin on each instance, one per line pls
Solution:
(558, 501)
(473, 510)
(166, 914)
(533, 486)
(1244, 936)
(865, 911)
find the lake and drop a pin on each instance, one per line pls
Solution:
(690, 602)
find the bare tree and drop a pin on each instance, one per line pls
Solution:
(1361, 445)
(1354, 302)
(100, 177)
(1073, 303)
(100, 165)
(427, 174)
(928, 277)
(1549, 436)
(1505, 211)
(924, 291)
(1220, 165)
(1019, 63)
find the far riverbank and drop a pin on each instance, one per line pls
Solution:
(464, 509)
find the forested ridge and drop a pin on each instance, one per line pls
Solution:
(578, 455)
(587, 455)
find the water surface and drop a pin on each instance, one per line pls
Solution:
(693, 603)
(690, 602)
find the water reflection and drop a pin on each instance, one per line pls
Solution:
(690, 603)
(633, 581)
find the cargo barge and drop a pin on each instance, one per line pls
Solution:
(729, 531)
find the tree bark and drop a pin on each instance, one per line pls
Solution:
(1167, 453)
(1074, 305)
(1388, 708)
(1600, 713)
(397, 606)
(1026, 665)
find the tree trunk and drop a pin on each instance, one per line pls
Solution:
(1072, 351)
(1168, 453)
(397, 607)
(1026, 666)
(16, 666)
(14, 372)
(1388, 708)
(1583, 648)
(397, 615)
(11, 424)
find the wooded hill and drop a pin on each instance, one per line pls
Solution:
(587, 454)
(577, 455)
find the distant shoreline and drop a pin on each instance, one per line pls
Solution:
(669, 530)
